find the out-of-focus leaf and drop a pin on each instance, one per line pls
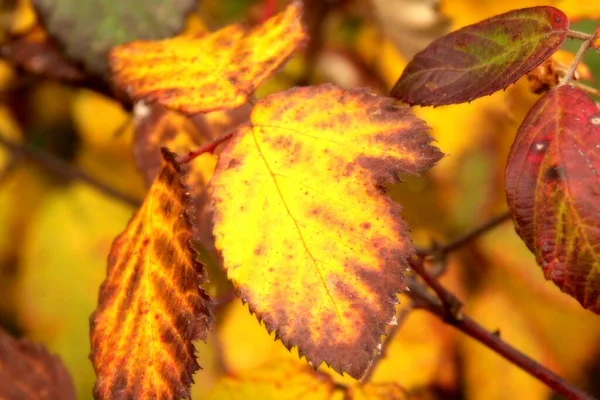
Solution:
(213, 72)
(482, 58)
(106, 142)
(151, 305)
(488, 375)
(569, 332)
(548, 74)
(389, 391)
(29, 372)
(283, 380)
(89, 29)
(552, 184)
(35, 53)
(63, 264)
(309, 191)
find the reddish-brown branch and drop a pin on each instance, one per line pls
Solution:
(423, 299)
(208, 148)
(585, 46)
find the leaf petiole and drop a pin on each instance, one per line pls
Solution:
(578, 35)
(578, 57)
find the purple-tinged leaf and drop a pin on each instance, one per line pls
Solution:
(483, 58)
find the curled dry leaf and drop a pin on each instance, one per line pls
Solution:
(151, 306)
(552, 187)
(29, 372)
(216, 71)
(37, 54)
(326, 254)
(483, 58)
(157, 127)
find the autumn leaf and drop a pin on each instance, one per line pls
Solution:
(151, 306)
(87, 30)
(327, 251)
(216, 71)
(552, 185)
(29, 372)
(483, 58)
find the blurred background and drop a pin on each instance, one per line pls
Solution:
(69, 183)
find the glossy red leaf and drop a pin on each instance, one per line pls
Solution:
(483, 58)
(553, 187)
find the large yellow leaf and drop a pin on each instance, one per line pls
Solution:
(216, 71)
(307, 236)
(151, 306)
(63, 263)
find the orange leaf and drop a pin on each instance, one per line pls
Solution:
(323, 251)
(29, 372)
(151, 307)
(217, 71)
(552, 185)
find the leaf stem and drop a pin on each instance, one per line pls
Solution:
(64, 169)
(578, 57)
(471, 328)
(578, 35)
(208, 148)
(587, 89)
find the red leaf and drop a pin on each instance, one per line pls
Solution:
(483, 58)
(553, 187)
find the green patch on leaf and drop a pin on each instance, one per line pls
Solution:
(483, 58)
(89, 29)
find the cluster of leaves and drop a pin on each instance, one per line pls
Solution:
(297, 212)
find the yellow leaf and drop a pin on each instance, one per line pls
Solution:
(488, 375)
(216, 71)
(63, 263)
(278, 381)
(326, 251)
(151, 306)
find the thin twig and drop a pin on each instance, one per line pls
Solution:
(66, 170)
(578, 35)
(423, 299)
(208, 148)
(578, 57)
(467, 237)
(449, 301)
(587, 89)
